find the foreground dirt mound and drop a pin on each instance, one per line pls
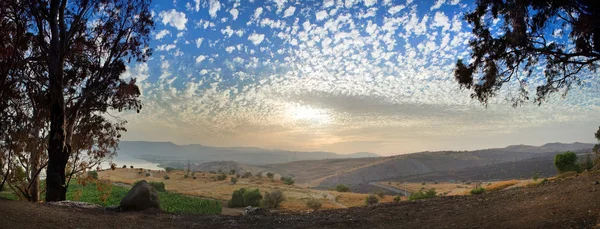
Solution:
(568, 203)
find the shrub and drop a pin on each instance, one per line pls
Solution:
(566, 161)
(380, 193)
(169, 169)
(288, 181)
(313, 204)
(342, 188)
(423, 194)
(397, 198)
(185, 176)
(131, 166)
(148, 174)
(536, 176)
(124, 167)
(252, 198)
(232, 172)
(247, 174)
(166, 177)
(194, 177)
(587, 164)
(93, 174)
(273, 199)
(270, 175)
(221, 176)
(477, 190)
(233, 180)
(371, 199)
(237, 198)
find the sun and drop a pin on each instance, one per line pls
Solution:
(307, 114)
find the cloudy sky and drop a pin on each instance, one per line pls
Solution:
(334, 75)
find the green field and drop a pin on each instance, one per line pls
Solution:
(171, 202)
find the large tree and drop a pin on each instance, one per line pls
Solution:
(82, 47)
(529, 34)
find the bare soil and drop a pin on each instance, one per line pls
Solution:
(562, 203)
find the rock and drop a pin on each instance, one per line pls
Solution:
(596, 182)
(141, 197)
(255, 211)
(76, 204)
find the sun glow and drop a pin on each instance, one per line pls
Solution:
(307, 114)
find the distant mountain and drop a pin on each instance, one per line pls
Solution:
(168, 153)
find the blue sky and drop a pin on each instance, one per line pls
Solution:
(341, 76)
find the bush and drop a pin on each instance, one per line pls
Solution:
(247, 174)
(342, 188)
(131, 166)
(397, 198)
(124, 167)
(536, 176)
(186, 176)
(273, 199)
(194, 177)
(371, 199)
(588, 164)
(270, 175)
(477, 190)
(313, 204)
(566, 162)
(288, 181)
(166, 177)
(232, 172)
(169, 169)
(221, 176)
(423, 194)
(252, 198)
(237, 198)
(148, 174)
(233, 180)
(380, 193)
(93, 174)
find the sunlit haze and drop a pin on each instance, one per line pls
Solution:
(338, 76)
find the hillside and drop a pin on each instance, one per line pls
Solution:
(170, 154)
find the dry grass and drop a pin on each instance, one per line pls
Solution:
(450, 189)
(500, 185)
(205, 186)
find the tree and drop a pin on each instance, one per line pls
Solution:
(525, 40)
(273, 199)
(566, 161)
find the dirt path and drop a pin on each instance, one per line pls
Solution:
(390, 188)
(568, 203)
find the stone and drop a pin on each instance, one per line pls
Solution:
(255, 211)
(142, 196)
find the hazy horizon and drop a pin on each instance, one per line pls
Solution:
(336, 76)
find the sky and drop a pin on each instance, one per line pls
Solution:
(339, 76)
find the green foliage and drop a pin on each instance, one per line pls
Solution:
(397, 198)
(288, 180)
(313, 204)
(148, 174)
(566, 161)
(252, 198)
(186, 176)
(371, 199)
(233, 180)
(169, 169)
(232, 172)
(93, 174)
(270, 175)
(237, 198)
(124, 166)
(166, 177)
(221, 176)
(159, 186)
(588, 164)
(380, 193)
(342, 188)
(171, 202)
(423, 194)
(477, 190)
(273, 199)
(17, 175)
(535, 176)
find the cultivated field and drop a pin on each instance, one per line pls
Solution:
(456, 188)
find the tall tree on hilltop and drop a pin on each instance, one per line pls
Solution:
(83, 46)
(525, 40)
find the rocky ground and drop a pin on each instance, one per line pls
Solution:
(563, 203)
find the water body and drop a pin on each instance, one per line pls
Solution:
(121, 160)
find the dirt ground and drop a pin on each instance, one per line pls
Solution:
(562, 203)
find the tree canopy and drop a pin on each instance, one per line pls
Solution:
(562, 36)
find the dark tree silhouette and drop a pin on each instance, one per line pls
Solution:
(525, 41)
(82, 47)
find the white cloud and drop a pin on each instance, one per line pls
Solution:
(234, 13)
(369, 3)
(230, 49)
(197, 7)
(321, 15)
(289, 12)
(440, 20)
(199, 42)
(454, 2)
(395, 9)
(165, 47)
(437, 5)
(328, 3)
(256, 38)
(257, 13)
(215, 6)
(173, 18)
(162, 34)
(200, 58)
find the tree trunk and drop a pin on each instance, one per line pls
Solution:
(34, 161)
